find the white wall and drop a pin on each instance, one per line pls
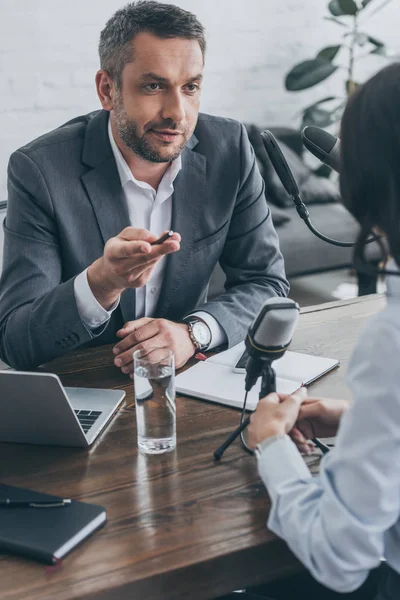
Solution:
(48, 58)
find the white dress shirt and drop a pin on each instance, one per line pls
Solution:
(148, 209)
(342, 522)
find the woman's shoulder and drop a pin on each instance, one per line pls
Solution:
(378, 347)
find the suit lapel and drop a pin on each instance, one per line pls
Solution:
(103, 186)
(187, 203)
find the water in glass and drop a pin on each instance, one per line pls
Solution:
(155, 408)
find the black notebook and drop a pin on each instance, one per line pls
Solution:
(45, 534)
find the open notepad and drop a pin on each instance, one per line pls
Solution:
(215, 380)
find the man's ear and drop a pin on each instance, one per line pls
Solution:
(105, 89)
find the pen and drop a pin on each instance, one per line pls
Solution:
(9, 503)
(162, 238)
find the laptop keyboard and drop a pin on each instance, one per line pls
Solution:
(87, 418)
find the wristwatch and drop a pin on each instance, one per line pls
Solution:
(199, 333)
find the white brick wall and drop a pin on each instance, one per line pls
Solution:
(48, 58)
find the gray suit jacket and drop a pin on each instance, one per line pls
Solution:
(66, 200)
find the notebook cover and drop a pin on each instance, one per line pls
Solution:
(40, 532)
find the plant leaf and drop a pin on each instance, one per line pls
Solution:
(380, 51)
(380, 48)
(375, 42)
(308, 73)
(320, 117)
(342, 7)
(329, 52)
(326, 99)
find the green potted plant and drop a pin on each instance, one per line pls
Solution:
(355, 43)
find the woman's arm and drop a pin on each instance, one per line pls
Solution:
(336, 523)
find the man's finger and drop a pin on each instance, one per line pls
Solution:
(131, 342)
(130, 249)
(131, 326)
(138, 250)
(134, 234)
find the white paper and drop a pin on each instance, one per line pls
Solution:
(215, 380)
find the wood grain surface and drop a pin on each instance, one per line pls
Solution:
(179, 525)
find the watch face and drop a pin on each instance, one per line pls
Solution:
(201, 333)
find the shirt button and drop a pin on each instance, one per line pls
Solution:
(153, 290)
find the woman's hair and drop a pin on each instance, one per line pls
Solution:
(370, 159)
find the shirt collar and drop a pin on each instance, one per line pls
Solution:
(125, 174)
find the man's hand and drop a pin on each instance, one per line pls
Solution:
(127, 262)
(276, 414)
(152, 335)
(317, 418)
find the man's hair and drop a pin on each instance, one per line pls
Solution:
(162, 20)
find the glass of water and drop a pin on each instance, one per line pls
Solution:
(155, 401)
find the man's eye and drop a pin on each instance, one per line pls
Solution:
(152, 87)
(192, 87)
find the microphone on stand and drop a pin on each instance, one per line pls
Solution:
(323, 145)
(289, 183)
(268, 338)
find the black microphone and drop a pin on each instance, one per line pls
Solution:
(323, 145)
(268, 337)
(289, 183)
(267, 340)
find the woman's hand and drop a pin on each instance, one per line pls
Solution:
(276, 414)
(317, 418)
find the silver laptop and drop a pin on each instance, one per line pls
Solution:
(35, 408)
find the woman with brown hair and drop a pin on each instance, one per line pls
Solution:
(341, 523)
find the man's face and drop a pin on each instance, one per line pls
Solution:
(156, 110)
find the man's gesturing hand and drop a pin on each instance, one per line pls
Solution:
(127, 262)
(151, 336)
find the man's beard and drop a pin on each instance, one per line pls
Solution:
(128, 132)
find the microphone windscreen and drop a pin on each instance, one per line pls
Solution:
(321, 138)
(323, 145)
(275, 324)
(280, 164)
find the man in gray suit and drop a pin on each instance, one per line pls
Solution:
(87, 201)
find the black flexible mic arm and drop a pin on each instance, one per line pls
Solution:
(289, 183)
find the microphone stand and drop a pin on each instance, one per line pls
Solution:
(268, 385)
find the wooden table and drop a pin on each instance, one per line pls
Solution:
(180, 526)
